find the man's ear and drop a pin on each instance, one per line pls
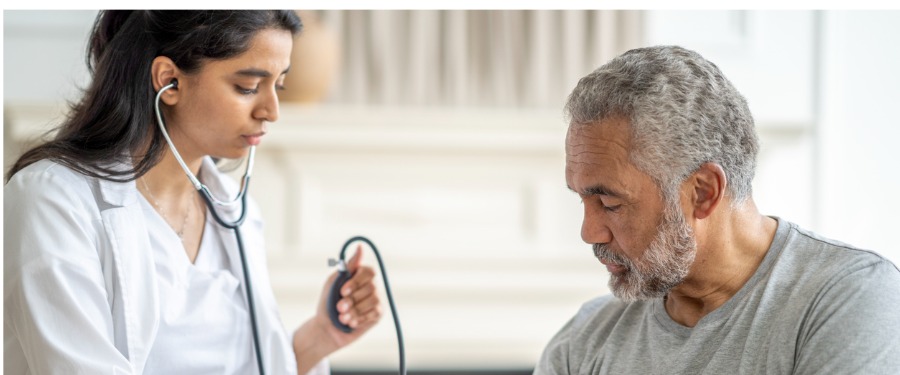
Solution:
(162, 71)
(706, 189)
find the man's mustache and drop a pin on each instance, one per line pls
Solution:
(603, 252)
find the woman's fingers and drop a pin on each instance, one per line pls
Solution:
(363, 276)
(360, 304)
(356, 260)
(360, 317)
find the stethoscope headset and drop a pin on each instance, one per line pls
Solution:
(235, 225)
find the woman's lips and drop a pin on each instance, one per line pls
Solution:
(254, 139)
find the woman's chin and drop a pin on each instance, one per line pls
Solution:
(239, 153)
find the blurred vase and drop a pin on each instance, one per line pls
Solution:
(315, 60)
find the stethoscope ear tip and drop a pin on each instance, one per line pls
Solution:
(174, 83)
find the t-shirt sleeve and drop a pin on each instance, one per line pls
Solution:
(566, 349)
(854, 325)
(555, 359)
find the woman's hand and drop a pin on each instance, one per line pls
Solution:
(360, 308)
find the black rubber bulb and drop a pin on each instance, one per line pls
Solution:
(334, 296)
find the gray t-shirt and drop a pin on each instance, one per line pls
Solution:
(814, 306)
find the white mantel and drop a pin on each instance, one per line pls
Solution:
(469, 209)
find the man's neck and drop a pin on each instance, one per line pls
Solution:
(729, 250)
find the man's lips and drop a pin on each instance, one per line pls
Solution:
(613, 267)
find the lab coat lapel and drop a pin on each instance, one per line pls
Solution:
(136, 299)
(224, 187)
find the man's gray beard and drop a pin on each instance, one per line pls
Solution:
(662, 266)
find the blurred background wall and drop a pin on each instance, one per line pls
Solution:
(439, 134)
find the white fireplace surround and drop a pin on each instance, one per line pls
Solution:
(468, 207)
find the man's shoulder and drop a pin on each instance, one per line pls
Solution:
(601, 315)
(587, 331)
(837, 291)
(605, 304)
(813, 268)
(813, 253)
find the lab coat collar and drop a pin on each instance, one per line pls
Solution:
(135, 276)
(125, 193)
(118, 193)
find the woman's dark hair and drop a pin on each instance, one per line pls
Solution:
(114, 119)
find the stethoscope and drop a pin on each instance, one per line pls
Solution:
(235, 226)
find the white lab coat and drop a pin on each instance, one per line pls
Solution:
(80, 291)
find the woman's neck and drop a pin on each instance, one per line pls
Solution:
(167, 178)
(173, 196)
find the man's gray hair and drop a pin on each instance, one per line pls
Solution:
(682, 110)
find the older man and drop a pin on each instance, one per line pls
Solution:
(661, 148)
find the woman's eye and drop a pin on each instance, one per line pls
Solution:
(245, 91)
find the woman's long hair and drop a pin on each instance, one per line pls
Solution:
(114, 120)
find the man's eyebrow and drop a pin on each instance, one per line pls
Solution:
(253, 72)
(598, 190)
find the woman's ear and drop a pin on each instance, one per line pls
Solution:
(162, 72)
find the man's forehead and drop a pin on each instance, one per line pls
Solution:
(605, 136)
(597, 157)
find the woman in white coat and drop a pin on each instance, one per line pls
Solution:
(112, 264)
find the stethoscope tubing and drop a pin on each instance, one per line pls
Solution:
(387, 290)
(234, 225)
(187, 171)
